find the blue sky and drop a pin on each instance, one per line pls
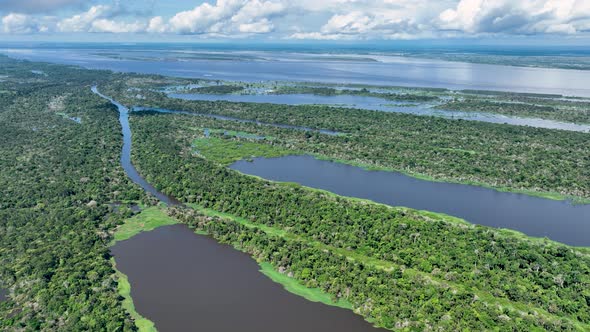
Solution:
(303, 20)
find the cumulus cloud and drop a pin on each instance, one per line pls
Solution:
(516, 17)
(225, 16)
(316, 19)
(19, 24)
(83, 22)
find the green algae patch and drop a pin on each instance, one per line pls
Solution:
(147, 220)
(293, 286)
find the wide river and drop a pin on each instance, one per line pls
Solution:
(255, 66)
(558, 220)
(185, 282)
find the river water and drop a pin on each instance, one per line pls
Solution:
(256, 66)
(188, 282)
(126, 153)
(3, 295)
(383, 105)
(558, 220)
(183, 281)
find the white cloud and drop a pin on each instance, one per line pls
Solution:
(516, 17)
(110, 26)
(322, 19)
(83, 21)
(262, 26)
(18, 23)
(156, 25)
(225, 17)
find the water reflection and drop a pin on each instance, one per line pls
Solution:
(280, 66)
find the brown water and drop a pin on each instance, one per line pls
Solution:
(187, 282)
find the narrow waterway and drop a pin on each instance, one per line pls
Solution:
(126, 153)
(185, 282)
(558, 220)
(3, 295)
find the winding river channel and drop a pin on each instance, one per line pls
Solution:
(183, 281)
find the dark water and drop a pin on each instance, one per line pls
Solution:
(188, 282)
(229, 118)
(558, 220)
(126, 154)
(3, 295)
(384, 105)
(255, 66)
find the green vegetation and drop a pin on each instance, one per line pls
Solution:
(534, 107)
(394, 266)
(550, 163)
(147, 220)
(228, 151)
(58, 180)
(63, 188)
(293, 286)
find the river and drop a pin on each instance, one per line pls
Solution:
(256, 66)
(383, 105)
(126, 153)
(558, 220)
(3, 295)
(183, 281)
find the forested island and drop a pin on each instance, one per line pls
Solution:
(66, 199)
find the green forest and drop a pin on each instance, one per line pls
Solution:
(441, 266)
(550, 163)
(65, 199)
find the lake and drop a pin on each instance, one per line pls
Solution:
(561, 221)
(188, 282)
(383, 105)
(256, 66)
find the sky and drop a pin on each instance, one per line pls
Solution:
(303, 20)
